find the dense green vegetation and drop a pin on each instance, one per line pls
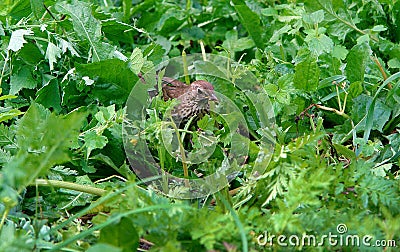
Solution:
(329, 69)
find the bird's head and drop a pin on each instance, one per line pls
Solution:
(204, 90)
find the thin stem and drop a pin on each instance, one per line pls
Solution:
(183, 156)
(6, 59)
(5, 214)
(203, 50)
(338, 97)
(333, 13)
(185, 68)
(384, 75)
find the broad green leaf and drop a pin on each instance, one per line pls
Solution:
(233, 44)
(114, 79)
(22, 79)
(394, 63)
(37, 7)
(121, 234)
(85, 25)
(251, 22)
(342, 150)
(320, 44)
(307, 75)
(20, 9)
(49, 95)
(17, 40)
(193, 33)
(357, 61)
(43, 140)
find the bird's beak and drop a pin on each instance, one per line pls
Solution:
(213, 98)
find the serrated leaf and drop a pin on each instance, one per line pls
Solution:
(339, 52)
(321, 44)
(94, 141)
(17, 40)
(67, 45)
(6, 135)
(85, 25)
(314, 18)
(43, 140)
(307, 75)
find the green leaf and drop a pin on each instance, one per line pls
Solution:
(94, 141)
(49, 95)
(37, 7)
(314, 18)
(6, 135)
(233, 44)
(43, 140)
(22, 79)
(355, 89)
(345, 151)
(136, 60)
(9, 114)
(85, 25)
(121, 234)
(357, 61)
(17, 40)
(114, 80)
(52, 53)
(339, 52)
(380, 114)
(101, 247)
(251, 22)
(371, 110)
(307, 75)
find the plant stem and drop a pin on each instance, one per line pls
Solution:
(203, 50)
(71, 186)
(5, 214)
(185, 68)
(183, 156)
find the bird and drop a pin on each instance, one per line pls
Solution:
(193, 99)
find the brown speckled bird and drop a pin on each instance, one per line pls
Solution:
(194, 98)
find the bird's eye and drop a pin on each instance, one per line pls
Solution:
(199, 91)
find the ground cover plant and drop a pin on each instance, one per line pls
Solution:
(329, 69)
